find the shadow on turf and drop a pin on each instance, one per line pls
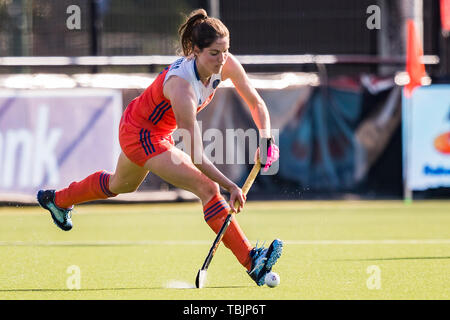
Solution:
(228, 287)
(75, 290)
(401, 258)
(112, 289)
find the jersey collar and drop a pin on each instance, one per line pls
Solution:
(195, 70)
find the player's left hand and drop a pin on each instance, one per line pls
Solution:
(267, 153)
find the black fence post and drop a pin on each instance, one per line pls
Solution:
(95, 31)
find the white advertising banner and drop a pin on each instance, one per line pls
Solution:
(49, 138)
(429, 144)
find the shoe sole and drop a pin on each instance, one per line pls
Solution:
(55, 221)
(274, 254)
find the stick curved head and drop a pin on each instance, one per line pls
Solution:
(200, 280)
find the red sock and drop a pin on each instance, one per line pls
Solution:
(94, 187)
(216, 211)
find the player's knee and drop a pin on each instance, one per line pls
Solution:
(126, 188)
(122, 187)
(209, 189)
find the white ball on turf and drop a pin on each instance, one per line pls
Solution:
(272, 279)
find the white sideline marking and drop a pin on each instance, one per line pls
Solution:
(208, 242)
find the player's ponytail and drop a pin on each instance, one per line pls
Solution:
(201, 31)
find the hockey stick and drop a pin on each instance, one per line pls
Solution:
(201, 275)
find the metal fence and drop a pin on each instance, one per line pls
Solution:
(38, 27)
(142, 27)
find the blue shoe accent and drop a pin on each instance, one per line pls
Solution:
(61, 217)
(263, 260)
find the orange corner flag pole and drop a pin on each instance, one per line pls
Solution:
(416, 71)
(414, 54)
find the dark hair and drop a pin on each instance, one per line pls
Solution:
(201, 31)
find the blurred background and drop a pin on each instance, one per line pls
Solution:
(332, 74)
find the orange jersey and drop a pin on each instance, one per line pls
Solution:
(152, 110)
(148, 121)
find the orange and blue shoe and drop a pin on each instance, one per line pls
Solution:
(61, 217)
(263, 260)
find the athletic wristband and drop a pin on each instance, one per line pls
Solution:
(264, 144)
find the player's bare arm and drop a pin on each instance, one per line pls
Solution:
(267, 151)
(234, 71)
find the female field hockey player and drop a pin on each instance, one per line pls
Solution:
(145, 134)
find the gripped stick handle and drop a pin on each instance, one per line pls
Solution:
(250, 179)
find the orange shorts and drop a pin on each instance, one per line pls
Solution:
(140, 144)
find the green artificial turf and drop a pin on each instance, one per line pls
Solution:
(333, 250)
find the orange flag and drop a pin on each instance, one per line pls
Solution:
(414, 53)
